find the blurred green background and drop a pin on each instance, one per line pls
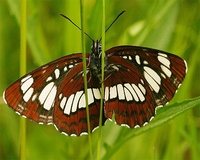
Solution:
(171, 25)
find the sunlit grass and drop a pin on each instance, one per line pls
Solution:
(167, 25)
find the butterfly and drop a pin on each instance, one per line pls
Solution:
(137, 81)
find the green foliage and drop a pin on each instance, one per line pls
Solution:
(171, 25)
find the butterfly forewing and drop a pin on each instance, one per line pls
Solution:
(144, 79)
(38, 94)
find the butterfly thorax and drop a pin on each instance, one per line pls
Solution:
(95, 63)
(95, 60)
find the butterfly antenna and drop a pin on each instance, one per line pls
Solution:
(113, 22)
(75, 25)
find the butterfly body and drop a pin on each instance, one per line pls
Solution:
(94, 65)
(137, 81)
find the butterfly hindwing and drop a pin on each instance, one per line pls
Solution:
(143, 80)
(70, 115)
(127, 95)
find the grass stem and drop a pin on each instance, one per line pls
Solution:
(22, 72)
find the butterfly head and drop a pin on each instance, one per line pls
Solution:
(96, 49)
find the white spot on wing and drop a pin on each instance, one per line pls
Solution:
(113, 92)
(62, 103)
(25, 78)
(137, 126)
(70, 66)
(138, 92)
(162, 54)
(115, 68)
(120, 92)
(142, 81)
(94, 129)
(97, 94)
(106, 93)
(49, 102)
(186, 66)
(43, 72)
(166, 70)
(152, 82)
(65, 68)
(133, 92)
(76, 100)
(57, 73)
(28, 94)
(60, 95)
(83, 133)
(128, 95)
(64, 133)
(137, 58)
(82, 101)
(145, 62)
(56, 128)
(153, 74)
(23, 116)
(124, 57)
(164, 61)
(68, 105)
(151, 118)
(142, 88)
(49, 79)
(4, 98)
(44, 67)
(34, 97)
(45, 92)
(26, 83)
(125, 125)
(163, 75)
(90, 96)
(145, 124)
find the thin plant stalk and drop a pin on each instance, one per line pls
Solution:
(22, 72)
(102, 80)
(85, 75)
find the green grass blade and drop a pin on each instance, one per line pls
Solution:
(85, 75)
(164, 115)
(102, 80)
(22, 72)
